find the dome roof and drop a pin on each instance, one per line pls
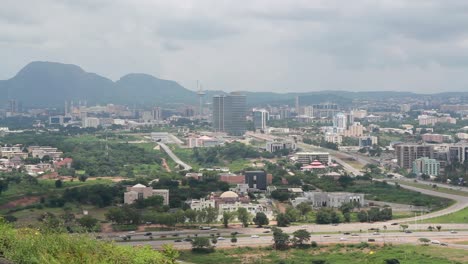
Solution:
(229, 194)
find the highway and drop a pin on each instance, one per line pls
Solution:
(174, 157)
(383, 237)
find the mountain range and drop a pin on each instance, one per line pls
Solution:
(49, 84)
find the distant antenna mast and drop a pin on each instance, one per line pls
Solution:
(200, 93)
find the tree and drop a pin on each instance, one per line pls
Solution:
(83, 178)
(404, 227)
(280, 239)
(243, 216)
(227, 216)
(87, 222)
(191, 215)
(293, 214)
(334, 217)
(439, 227)
(58, 183)
(323, 216)
(279, 195)
(301, 236)
(214, 240)
(233, 239)
(261, 219)
(282, 220)
(211, 215)
(424, 240)
(304, 209)
(200, 243)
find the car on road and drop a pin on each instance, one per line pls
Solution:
(177, 240)
(131, 232)
(175, 235)
(343, 239)
(221, 238)
(163, 236)
(370, 240)
(394, 224)
(408, 232)
(266, 231)
(354, 235)
(346, 233)
(188, 240)
(436, 242)
(453, 232)
(326, 236)
(376, 233)
(444, 244)
(214, 229)
(334, 224)
(148, 234)
(254, 236)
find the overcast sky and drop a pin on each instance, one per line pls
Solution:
(419, 46)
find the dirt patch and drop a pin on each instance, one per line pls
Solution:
(164, 164)
(21, 202)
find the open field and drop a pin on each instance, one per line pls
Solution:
(349, 254)
(453, 218)
(438, 189)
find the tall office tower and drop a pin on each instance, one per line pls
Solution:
(284, 112)
(260, 118)
(407, 153)
(297, 106)
(340, 122)
(12, 106)
(157, 113)
(229, 114)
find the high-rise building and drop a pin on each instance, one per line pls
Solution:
(157, 113)
(260, 119)
(229, 113)
(407, 153)
(340, 122)
(458, 152)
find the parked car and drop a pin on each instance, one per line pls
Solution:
(221, 238)
(177, 240)
(254, 236)
(148, 234)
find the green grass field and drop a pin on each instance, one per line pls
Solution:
(438, 189)
(460, 217)
(333, 254)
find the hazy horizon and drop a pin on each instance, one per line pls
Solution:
(262, 46)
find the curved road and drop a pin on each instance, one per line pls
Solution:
(461, 202)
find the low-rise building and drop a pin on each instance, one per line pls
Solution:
(367, 141)
(273, 146)
(426, 166)
(42, 151)
(308, 157)
(14, 151)
(140, 191)
(329, 199)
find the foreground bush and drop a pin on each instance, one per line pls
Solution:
(30, 246)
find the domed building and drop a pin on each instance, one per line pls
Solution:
(229, 195)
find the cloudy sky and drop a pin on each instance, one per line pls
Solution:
(254, 45)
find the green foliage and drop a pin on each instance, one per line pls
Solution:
(200, 243)
(243, 216)
(261, 219)
(300, 237)
(280, 239)
(33, 246)
(282, 220)
(88, 222)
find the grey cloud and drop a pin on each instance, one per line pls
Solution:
(193, 29)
